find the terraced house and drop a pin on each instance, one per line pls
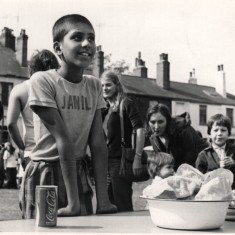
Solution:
(199, 100)
(13, 69)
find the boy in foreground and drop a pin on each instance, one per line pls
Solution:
(68, 106)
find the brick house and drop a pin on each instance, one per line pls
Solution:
(13, 69)
(199, 100)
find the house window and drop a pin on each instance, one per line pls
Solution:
(5, 89)
(203, 115)
(229, 113)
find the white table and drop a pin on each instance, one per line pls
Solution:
(133, 222)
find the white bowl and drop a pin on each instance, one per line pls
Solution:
(187, 214)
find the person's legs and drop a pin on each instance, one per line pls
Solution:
(110, 192)
(121, 187)
(8, 177)
(122, 190)
(84, 188)
(2, 176)
(13, 175)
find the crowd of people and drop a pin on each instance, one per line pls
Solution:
(68, 114)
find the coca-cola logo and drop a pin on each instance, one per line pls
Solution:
(51, 205)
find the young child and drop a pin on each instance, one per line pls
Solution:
(10, 165)
(68, 106)
(18, 105)
(161, 165)
(220, 153)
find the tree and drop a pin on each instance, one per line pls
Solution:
(119, 66)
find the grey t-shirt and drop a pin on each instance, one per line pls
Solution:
(76, 103)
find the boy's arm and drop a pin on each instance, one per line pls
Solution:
(15, 107)
(55, 125)
(99, 154)
(201, 162)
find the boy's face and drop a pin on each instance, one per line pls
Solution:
(219, 134)
(78, 45)
(166, 171)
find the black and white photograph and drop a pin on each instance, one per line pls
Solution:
(117, 116)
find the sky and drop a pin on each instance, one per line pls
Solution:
(196, 34)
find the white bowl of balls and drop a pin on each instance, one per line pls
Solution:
(188, 214)
(190, 200)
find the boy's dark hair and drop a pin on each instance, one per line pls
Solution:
(62, 25)
(220, 120)
(157, 160)
(42, 61)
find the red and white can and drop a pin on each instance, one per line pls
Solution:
(46, 205)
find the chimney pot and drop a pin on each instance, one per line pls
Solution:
(99, 48)
(140, 70)
(221, 81)
(192, 78)
(7, 38)
(220, 67)
(164, 57)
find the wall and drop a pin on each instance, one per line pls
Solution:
(193, 109)
(15, 81)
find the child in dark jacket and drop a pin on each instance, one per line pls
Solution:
(220, 154)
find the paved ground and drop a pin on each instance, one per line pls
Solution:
(9, 208)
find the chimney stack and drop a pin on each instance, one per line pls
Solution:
(192, 78)
(7, 39)
(98, 62)
(221, 81)
(140, 70)
(22, 48)
(163, 72)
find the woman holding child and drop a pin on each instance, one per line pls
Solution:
(173, 135)
(120, 187)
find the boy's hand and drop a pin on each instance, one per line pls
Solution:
(68, 211)
(107, 209)
(228, 161)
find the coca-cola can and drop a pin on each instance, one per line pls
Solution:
(46, 205)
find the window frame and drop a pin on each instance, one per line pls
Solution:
(202, 116)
